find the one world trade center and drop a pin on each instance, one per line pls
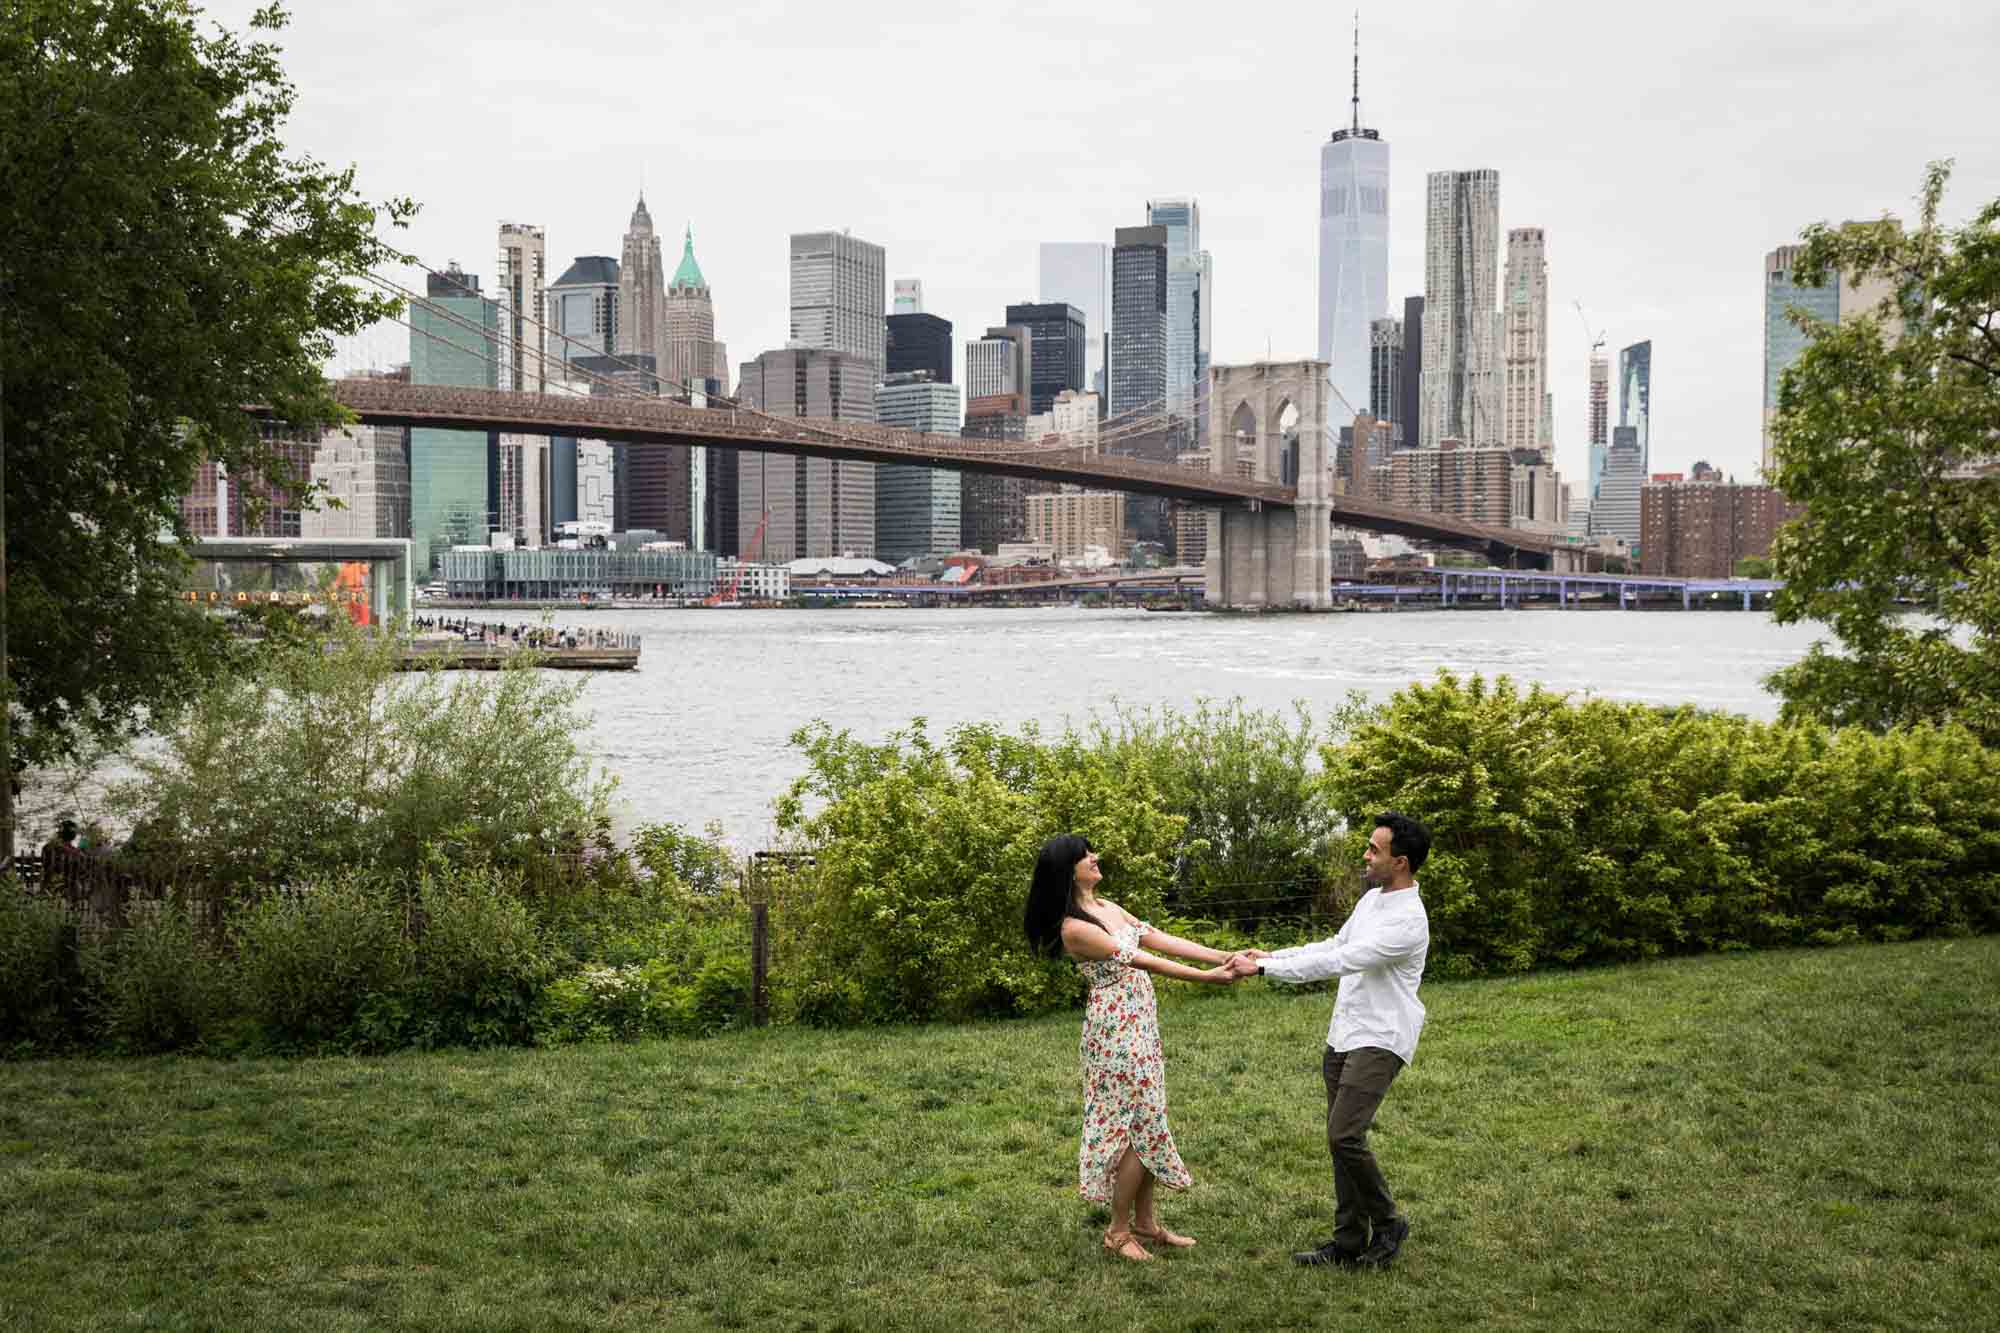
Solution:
(1353, 253)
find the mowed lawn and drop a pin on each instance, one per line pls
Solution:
(1781, 1141)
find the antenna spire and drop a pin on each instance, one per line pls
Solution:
(1357, 71)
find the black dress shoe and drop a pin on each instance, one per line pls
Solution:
(1389, 1237)
(1327, 1255)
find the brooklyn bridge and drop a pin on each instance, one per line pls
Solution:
(1241, 506)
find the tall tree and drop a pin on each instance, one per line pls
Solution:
(1888, 432)
(164, 260)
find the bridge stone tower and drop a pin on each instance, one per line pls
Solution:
(1267, 421)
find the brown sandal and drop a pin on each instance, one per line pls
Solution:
(1162, 1236)
(1125, 1246)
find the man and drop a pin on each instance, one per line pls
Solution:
(1379, 957)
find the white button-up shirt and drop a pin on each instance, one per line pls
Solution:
(1379, 957)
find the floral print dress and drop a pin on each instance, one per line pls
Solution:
(1124, 1077)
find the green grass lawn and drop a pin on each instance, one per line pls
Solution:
(1780, 1141)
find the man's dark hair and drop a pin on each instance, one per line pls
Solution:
(1406, 838)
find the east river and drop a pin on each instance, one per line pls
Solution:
(701, 730)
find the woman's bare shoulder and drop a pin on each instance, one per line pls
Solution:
(1119, 914)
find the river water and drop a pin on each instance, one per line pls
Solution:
(700, 731)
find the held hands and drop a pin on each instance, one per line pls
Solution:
(1242, 963)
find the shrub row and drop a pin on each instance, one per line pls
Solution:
(1574, 832)
(458, 955)
(1566, 832)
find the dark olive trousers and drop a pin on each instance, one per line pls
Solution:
(1356, 1082)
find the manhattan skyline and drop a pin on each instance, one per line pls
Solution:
(1664, 155)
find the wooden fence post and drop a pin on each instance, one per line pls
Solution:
(760, 945)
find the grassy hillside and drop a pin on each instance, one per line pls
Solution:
(1772, 1141)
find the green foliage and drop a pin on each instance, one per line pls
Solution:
(923, 857)
(164, 260)
(701, 863)
(1597, 832)
(36, 984)
(1753, 567)
(1885, 432)
(656, 998)
(480, 962)
(310, 956)
(327, 759)
(1258, 828)
(630, 907)
(157, 984)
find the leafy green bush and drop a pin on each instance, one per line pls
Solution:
(1258, 829)
(923, 853)
(157, 984)
(614, 1004)
(480, 963)
(701, 864)
(309, 958)
(720, 996)
(37, 987)
(329, 760)
(1600, 832)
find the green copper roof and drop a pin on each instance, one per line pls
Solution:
(689, 273)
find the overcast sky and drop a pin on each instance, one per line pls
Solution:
(1664, 147)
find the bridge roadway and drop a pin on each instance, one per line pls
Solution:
(1437, 587)
(661, 421)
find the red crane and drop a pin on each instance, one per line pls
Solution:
(720, 596)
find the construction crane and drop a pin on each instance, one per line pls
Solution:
(720, 597)
(1596, 338)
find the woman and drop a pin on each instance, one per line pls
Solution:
(1127, 1147)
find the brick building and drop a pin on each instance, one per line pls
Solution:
(1071, 521)
(1700, 529)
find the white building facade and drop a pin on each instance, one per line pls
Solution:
(1459, 398)
(839, 286)
(1526, 407)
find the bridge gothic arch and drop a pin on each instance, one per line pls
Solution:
(1261, 556)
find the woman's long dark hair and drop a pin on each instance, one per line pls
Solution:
(1052, 895)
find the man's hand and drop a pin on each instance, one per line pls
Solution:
(1242, 964)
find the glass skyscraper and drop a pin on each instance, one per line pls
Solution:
(1056, 349)
(1190, 271)
(1783, 340)
(916, 508)
(1079, 273)
(1353, 257)
(1139, 321)
(1635, 396)
(455, 340)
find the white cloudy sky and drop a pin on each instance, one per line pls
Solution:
(1664, 146)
